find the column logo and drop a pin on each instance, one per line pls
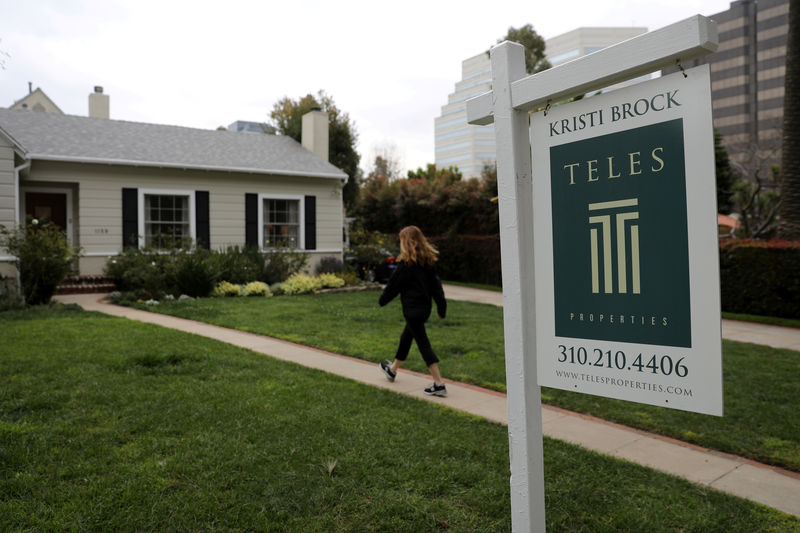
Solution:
(615, 219)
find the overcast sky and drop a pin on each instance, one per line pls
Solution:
(204, 64)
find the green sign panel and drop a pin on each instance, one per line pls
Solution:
(620, 237)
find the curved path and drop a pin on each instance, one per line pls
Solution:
(764, 484)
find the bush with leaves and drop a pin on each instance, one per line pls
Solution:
(330, 281)
(136, 269)
(369, 249)
(240, 264)
(43, 255)
(281, 263)
(303, 284)
(436, 200)
(256, 288)
(192, 272)
(330, 265)
(225, 288)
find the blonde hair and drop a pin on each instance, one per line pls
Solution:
(415, 248)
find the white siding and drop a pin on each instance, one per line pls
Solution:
(98, 217)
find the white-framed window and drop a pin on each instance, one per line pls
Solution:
(281, 221)
(166, 218)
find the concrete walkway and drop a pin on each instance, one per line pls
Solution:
(767, 485)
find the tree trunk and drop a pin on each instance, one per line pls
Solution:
(789, 225)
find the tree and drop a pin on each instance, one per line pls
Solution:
(444, 176)
(726, 177)
(757, 200)
(384, 167)
(534, 47)
(789, 223)
(287, 117)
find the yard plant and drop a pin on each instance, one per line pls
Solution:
(762, 392)
(111, 425)
(43, 257)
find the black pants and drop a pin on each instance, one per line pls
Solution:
(415, 330)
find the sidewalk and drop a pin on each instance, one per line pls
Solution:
(734, 475)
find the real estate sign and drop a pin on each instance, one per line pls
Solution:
(626, 266)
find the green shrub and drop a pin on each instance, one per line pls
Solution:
(760, 277)
(240, 264)
(330, 265)
(469, 258)
(349, 277)
(10, 302)
(256, 288)
(300, 284)
(437, 200)
(330, 281)
(136, 269)
(282, 263)
(225, 288)
(192, 272)
(43, 258)
(276, 289)
(369, 250)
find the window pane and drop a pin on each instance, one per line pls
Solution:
(281, 223)
(166, 220)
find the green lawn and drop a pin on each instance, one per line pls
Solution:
(112, 425)
(768, 320)
(762, 384)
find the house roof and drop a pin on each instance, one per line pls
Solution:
(54, 137)
(28, 101)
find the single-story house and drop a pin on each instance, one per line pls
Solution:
(113, 183)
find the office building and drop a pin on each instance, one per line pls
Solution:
(747, 81)
(469, 147)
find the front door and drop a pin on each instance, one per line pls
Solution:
(47, 207)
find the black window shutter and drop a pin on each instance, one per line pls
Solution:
(130, 218)
(251, 219)
(202, 225)
(311, 222)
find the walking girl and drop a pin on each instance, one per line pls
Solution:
(416, 281)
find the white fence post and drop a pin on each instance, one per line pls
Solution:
(515, 193)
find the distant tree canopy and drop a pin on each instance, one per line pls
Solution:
(534, 47)
(384, 167)
(287, 117)
(436, 200)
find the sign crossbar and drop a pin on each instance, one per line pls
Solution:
(688, 39)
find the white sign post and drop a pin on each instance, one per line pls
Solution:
(513, 96)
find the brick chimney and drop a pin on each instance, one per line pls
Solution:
(315, 132)
(98, 103)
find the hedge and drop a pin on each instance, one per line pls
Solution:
(469, 258)
(760, 277)
(756, 277)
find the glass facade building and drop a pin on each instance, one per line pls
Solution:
(747, 80)
(469, 147)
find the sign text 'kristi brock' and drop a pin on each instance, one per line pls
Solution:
(620, 241)
(615, 113)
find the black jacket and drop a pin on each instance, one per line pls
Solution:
(416, 285)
